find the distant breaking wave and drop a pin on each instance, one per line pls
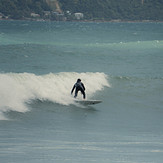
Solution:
(18, 89)
(130, 45)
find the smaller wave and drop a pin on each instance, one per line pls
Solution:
(18, 89)
(130, 44)
(134, 78)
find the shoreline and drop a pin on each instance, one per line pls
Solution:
(89, 21)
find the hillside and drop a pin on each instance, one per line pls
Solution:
(92, 9)
(18, 9)
(120, 9)
(54, 5)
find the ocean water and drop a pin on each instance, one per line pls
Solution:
(119, 63)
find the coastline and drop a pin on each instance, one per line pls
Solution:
(86, 20)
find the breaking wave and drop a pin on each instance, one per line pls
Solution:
(18, 89)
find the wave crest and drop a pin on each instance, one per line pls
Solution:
(17, 89)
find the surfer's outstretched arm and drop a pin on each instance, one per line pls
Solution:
(83, 86)
(72, 89)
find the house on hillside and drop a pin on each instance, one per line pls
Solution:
(79, 16)
(47, 13)
(34, 15)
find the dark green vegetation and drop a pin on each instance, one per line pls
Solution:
(18, 9)
(92, 9)
(116, 9)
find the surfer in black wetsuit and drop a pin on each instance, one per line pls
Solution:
(79, 87)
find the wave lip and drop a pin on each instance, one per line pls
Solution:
(18, 89)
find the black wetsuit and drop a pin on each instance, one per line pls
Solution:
(79, 87)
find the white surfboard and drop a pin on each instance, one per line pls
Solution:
(88, 102)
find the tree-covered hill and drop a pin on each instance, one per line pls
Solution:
(116, 9)
(92, 9)
(18, 9)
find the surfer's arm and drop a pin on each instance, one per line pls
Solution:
(83, 86)
(72, 89)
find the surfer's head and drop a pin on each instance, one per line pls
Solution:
(79, 80)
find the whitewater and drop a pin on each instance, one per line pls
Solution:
(18, 89)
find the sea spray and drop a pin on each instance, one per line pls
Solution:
(18, 89)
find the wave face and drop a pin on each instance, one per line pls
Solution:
(18, 89)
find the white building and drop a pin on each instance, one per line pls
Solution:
(35, 15)
(79, 16)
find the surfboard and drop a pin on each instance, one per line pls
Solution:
(88, 102)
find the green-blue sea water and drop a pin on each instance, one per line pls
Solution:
(119, 63)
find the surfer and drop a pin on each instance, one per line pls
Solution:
(79, 87)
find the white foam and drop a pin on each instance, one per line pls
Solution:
(17, 89)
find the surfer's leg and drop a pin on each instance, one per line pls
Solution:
(76, 93)
(83, 93)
